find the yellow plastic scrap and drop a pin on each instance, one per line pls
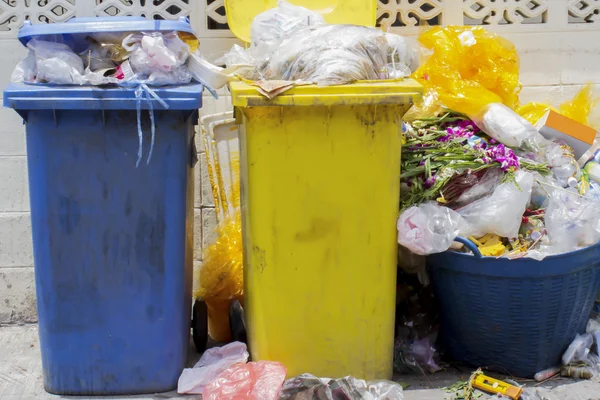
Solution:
(469, 69)
(578, 108)
(221, 276)
(490, 245)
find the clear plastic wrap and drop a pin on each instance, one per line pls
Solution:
(252, 381)
(271, 26)
(428, 228)
(56, 63)
(26, 70)
(579, 349)
(307, 386)
(385, 390)
(212, 363)
(335, 55)
(486, 185)
(500, 213)
(572, 221)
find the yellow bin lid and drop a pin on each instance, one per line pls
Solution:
(240, 13)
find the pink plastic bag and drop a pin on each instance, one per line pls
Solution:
(252, 381)
(213, 362)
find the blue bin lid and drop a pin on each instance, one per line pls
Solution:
(74, 31)
(22, 96)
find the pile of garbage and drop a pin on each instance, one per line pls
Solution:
(154, 58)
(473, 167)
(225, 373)
(293, 44)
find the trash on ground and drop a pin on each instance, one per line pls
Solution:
(260, 380)
(498, 387)
(212, 363)
(309, 387)
(417, 327)
(546, 374)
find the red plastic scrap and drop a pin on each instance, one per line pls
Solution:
(260, 380)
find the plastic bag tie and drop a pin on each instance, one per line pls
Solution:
(143, 92)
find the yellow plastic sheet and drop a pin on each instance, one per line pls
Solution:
(578, 108)
(469, 69)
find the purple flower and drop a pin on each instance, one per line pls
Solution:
(502, 155)
(429, 182)
(464, 130)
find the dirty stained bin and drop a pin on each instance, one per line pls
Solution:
(112, 243)
(320, 186)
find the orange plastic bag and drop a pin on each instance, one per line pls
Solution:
(252, 381)
(469, 69)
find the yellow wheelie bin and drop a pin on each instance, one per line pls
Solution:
(320, 183)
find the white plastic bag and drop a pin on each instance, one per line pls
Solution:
(501, 212)
(505, 125)
(428, 228)
(211, 364)
(56, 63)
(277, 23)
(25, 70)
(572, 221)
(579, 349)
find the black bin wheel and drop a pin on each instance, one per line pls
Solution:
(200, 325)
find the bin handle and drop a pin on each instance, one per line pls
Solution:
(470, 245)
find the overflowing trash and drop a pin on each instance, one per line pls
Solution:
(293, 44)
(473, 167)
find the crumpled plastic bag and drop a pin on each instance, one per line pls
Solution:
(56, 63)
(271, 26)
(505, 125)
(486, 185)
(500, 213)
(25, 70)
(572, 221)
(252, 381)
(212, 363)
(579, 349)
(307, 386)
(469, 69)
(428, 228)
(158, 58)
(335, 55)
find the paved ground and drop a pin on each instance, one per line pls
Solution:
(21, 376)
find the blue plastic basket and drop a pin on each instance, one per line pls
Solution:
(517, 316)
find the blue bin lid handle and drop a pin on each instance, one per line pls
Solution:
(470, 245)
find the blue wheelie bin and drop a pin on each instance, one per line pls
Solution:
(112, 243)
